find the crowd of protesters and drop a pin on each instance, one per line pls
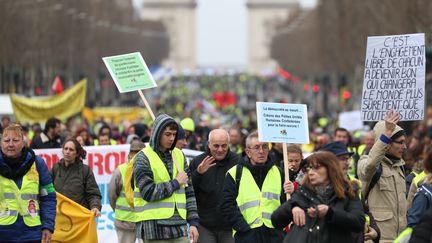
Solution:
(373, 184)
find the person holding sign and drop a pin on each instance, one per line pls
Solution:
(253, 189)
(169, 199)
(381, 173)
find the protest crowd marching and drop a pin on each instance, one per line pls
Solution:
(207, 190)
(204, 169)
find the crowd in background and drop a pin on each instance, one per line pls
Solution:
(350, 147)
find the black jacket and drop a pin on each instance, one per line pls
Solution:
(44, 142)
(232, 214)
(208, 189)
(344, 220)
(422, 231)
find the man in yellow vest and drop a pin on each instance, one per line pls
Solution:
(125, 216)
(27, 195)
(252, 192)
(168, 197)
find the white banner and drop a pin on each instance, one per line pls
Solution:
(103, 160)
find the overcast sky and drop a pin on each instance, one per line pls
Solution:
(222, 32)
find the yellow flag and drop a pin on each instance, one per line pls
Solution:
(74, 223)
(61, 106)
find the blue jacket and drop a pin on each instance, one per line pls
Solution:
(19, 232)
(421, 203)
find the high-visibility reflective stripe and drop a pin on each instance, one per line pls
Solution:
(136, 194)
(159, 205)
(26, 196)
(9, 195)
(181, 205)
(135, 209)
(256, 221)
(266, 215)
(13, 213)
(249, 205)
(180, 191)
(29, 196)
(271, 195)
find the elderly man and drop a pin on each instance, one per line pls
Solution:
(252, 192)
(382, 177)
(208, 175)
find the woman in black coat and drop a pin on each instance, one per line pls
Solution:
(326, 197)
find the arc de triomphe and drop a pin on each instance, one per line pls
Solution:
(179, 18)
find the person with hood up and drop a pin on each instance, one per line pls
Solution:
(167, 196)
(208, 174)
(383, 179)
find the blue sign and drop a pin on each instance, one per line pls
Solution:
(282, 123)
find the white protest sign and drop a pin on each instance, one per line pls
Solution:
(282, 123)
(394, 77)
(351, 120)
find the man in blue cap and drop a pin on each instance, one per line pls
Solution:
(340, 150)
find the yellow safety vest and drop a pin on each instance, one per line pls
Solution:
(360, 149)
(358, 182)
(257, 205)
(112, 142)
(122, 209)
(418, 179)
(162, 209)
(14, 201)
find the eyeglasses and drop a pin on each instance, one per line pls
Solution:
(259, 147)
(312, 167)
(402, 142)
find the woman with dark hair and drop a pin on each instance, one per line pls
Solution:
(74, 179)
(324, 209)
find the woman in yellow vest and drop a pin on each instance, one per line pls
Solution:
(27, 195)
(325, 207)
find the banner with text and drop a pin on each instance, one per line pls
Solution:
(282, 123)
(394, 77)
(103, 160)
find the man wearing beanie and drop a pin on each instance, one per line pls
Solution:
(382, 176)
(167, 199)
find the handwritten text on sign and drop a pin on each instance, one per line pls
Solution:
(394, 77)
